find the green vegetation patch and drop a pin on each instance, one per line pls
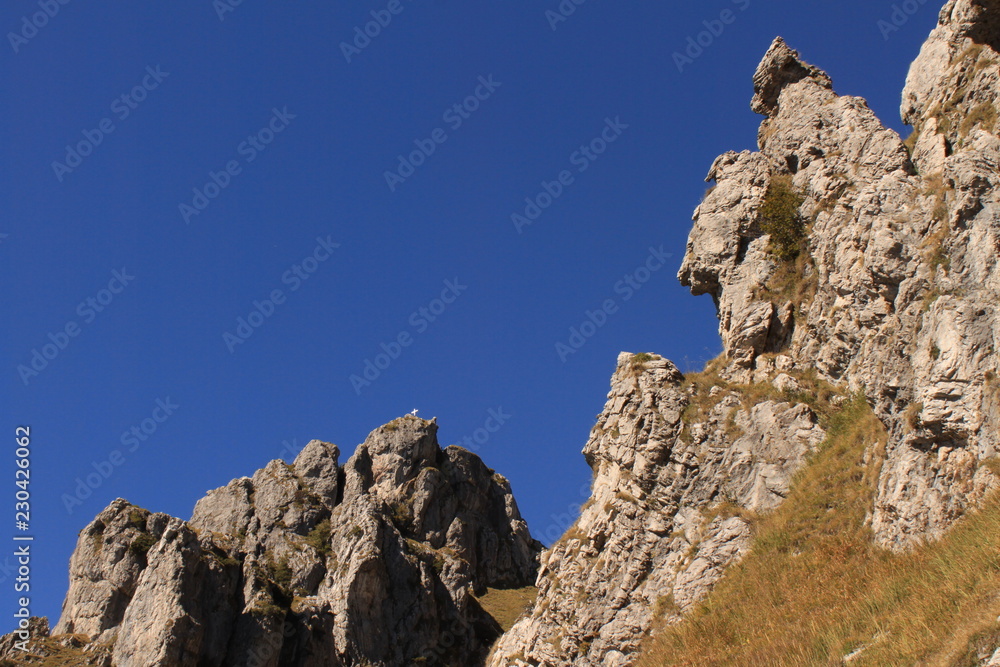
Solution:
(141, 545)
(319, 537)
(780, 219)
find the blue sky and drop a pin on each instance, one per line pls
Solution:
(229, 162)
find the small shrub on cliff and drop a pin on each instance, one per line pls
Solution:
(780, 219)
(639, 362)
(911, 416)
(137, 520)
(141, 545)
(282, 573)
(402, 515)
(319, 537)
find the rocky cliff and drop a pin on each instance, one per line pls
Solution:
(374, 562)
(842, 260)
(676, 465)
(848, 267)
(899, 260)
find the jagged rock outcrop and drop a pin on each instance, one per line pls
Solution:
(666, 515)
(376, 562)
(891, 290)
(35, 645)
(901, 260)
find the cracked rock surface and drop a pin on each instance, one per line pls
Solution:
(374, 562)
(893, 294)
(664, 518)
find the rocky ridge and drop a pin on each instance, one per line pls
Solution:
(892, 293)
(376, 562)
(673, 488)
(901, 258)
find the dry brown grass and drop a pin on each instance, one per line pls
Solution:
(936, 186)
(51, 652)
(911, 416)
(507, 605)
(795, 281)
(698, 387)
(815, 588)
(983, 115)
(814, 392)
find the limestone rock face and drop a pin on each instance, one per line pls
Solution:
(899, 261)
(893, 294)
(105, 568)
(664, 518)
(312, 564)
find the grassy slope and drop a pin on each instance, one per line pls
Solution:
(506, 606)
(814, 588)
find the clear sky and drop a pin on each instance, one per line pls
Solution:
(167, 167)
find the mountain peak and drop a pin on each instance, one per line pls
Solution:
(310, 558)
(782, 67)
